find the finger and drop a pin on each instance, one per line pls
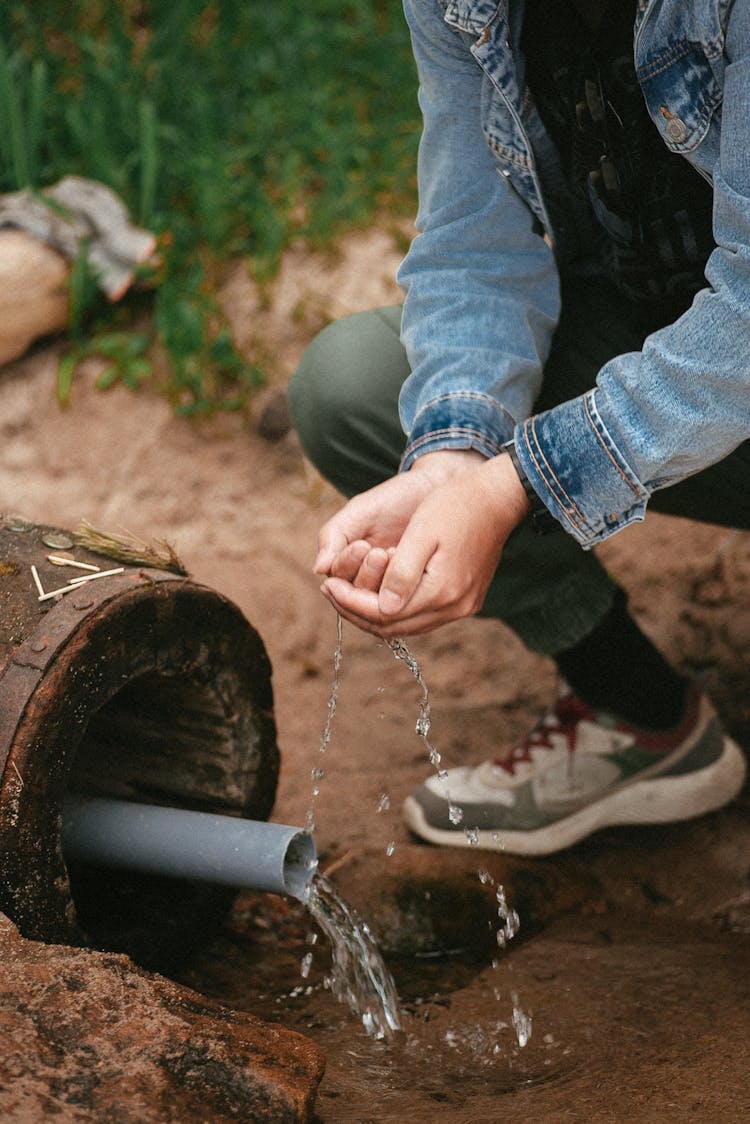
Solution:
(362, 608)
(372, 569)
(362, 602)
(406, 568)
(360, 622)
(331, 542)
(348, 562)
(386, 629)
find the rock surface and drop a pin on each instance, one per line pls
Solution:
(87, 1036)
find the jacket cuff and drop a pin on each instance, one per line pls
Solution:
(460, 420)
(578, 471)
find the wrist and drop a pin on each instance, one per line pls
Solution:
(444, 464)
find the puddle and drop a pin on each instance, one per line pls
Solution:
(636, 1016)
(456, 1016)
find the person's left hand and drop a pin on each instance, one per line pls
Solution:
(445, 560)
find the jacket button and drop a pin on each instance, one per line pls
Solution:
(676, 130)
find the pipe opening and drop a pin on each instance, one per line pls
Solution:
(300, 863)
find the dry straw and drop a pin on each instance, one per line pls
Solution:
(127, 548)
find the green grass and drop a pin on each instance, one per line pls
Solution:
(228, 128)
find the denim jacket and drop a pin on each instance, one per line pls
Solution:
(482, 277)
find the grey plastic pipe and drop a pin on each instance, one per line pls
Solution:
(199, 846)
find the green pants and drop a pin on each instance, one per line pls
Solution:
(344, 402)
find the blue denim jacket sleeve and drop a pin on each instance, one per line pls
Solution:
(683, 402)
(482, 295)
(483, 305)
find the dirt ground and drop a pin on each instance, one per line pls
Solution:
(633, 960)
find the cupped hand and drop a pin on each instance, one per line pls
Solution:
(437, 568)
(378, 517)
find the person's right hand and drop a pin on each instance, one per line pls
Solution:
(442, 566)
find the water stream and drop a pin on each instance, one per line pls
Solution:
(508, 920)
(359, 976)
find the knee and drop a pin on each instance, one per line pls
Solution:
(338, 376)
(320, 387)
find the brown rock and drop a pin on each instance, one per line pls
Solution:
(87, 1036)
(274, 419)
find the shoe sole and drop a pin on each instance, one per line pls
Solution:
(662, 800)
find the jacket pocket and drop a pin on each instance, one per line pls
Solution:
(682, 94)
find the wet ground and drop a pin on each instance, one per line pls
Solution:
(638, 996)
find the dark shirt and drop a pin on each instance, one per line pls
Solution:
(652, 209)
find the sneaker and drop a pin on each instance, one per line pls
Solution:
(580, 770)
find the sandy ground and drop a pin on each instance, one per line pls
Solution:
(243, 513)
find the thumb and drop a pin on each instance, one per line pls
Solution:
(405, 569)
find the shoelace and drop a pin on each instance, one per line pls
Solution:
(562, 721)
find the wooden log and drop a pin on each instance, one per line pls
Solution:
(143, 686)
(33, 292)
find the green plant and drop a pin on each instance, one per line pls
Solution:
(228, 128)
(23, 92)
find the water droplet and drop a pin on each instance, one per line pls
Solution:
(384, 803)
(455, 814)
(57, 540)
(521, 1024)
(18, 523)
(423, 725)
(390, 848)
(472, 834)
(509, 920)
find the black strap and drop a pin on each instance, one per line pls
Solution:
(542, 520)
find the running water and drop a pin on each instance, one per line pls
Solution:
(508, 920)
(317, 773)
(401, 652)
(358, 976)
